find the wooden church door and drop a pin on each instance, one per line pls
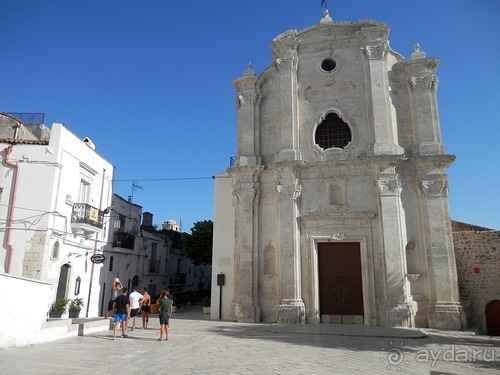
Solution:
(340, 283)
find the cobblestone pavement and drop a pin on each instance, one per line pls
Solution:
(198, 345)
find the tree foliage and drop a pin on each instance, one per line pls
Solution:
(198, 244)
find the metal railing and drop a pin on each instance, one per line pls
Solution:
(86, 214)
(29, 118)
(124, 240)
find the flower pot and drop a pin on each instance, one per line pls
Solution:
(154, 309)
(74, 313)
(53, 314)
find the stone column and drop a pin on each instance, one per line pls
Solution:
(398, 309)
(291, 308)
(422, 86)
(247, 102)
(286, 62)
(377, 91)
(445, 310)
(245, 306)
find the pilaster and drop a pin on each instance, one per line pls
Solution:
(286, 60)
(422, 85)
(245, 306)
(291, 308)
(445, 310)
(377, 92)
(399, 308)
(247, 102)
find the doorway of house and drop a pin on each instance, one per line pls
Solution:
(492, 312)
(340, 283)
(62, 284)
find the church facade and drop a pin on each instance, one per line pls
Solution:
(336, 207)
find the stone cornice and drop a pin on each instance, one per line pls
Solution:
(315, 215)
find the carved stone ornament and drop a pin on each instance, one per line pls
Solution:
(376, 52)
(290, 192)
(429, 83)
(435, 188)
(389, 187)
(245, 197)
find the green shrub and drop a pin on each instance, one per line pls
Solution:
(205, 301)
(76, 304)
(59, 305)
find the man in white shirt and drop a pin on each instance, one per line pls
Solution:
(135, 299)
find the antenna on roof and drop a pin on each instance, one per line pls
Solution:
(135, 186)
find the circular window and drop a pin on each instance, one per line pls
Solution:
(328, 64)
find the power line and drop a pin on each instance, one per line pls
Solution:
(164, 179)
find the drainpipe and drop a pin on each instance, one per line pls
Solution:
(95, 246)
(12, 202)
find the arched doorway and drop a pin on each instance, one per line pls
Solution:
(492, 312)
(62, 285)
(135, 282)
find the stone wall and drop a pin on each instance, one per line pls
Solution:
(477, 256)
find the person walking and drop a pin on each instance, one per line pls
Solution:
(145, 308)
(115, 291)
(165, 313)
(122, 313)
(135, 300)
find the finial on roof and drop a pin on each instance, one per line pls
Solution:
(417, 54)
(249, 71)
(326, 17)
(326, 14)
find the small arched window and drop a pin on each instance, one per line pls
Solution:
(332, 132)
(55, 250)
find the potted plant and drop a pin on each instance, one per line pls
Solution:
(206, 304)
(75, 306)
(154, 307)
(58, 307)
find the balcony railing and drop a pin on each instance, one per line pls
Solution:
(86, 217)
(124, 240)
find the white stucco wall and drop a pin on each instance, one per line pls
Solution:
(223, 245)
(24, 309)
(48, 184)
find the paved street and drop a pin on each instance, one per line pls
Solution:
(198, 345)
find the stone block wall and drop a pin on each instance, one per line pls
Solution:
(477, 256)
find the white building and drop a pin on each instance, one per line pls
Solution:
(143, 256)
(336, 209)
(55, 189)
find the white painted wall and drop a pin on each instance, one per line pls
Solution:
(48, 185)
(223, 245)
(24, 309)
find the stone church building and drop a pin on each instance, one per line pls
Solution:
(336, 207)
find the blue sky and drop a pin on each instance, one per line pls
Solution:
(150, 82)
